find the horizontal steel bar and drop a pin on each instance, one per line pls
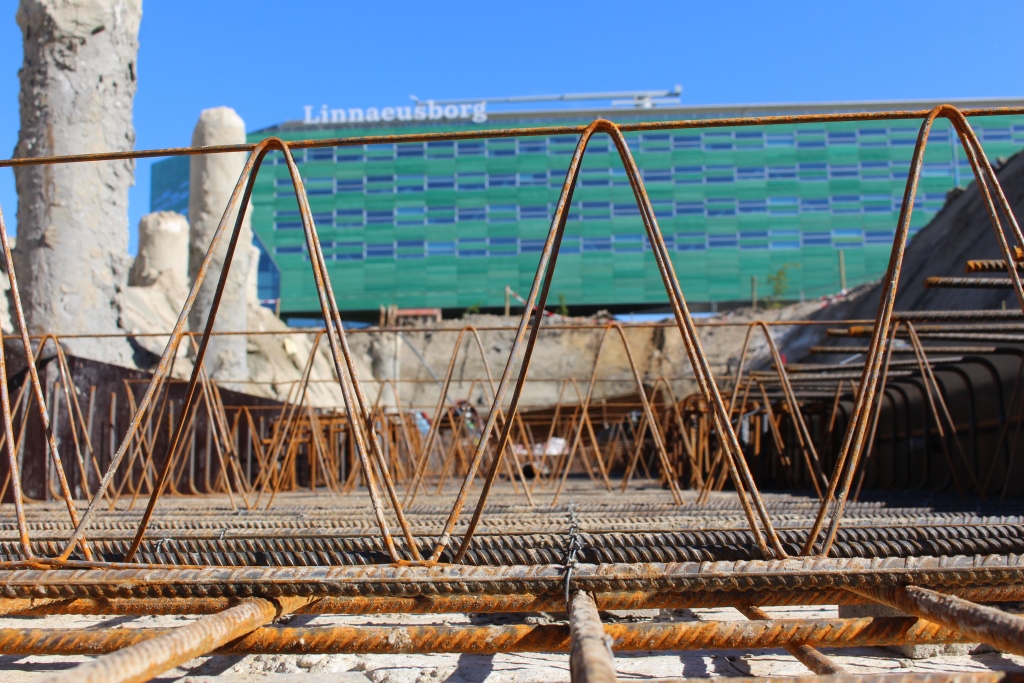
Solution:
(390, 580)
(507, 133)
(393, 639)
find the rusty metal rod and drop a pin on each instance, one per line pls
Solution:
(811, 658)
(150, 656)
(400, 580)
(394, 639)
(590, 650)
(1000, 629)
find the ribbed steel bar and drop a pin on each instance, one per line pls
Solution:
(986, 624)
(810, 657)
(400, 580)
(590, 649)
(593, 638)
(148, 657)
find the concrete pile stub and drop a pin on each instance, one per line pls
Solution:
(212, 178)
(78, 81)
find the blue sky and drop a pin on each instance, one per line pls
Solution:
(268, 59)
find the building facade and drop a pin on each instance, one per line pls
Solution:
(451, 224)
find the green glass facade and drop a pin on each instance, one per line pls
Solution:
(450, 224)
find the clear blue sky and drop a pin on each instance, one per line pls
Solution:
(267, 59)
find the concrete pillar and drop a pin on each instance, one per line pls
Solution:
(78, 81)
(163, 253)
(212, 178)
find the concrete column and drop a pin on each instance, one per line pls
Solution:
(212, 178)
(78, 81)
(163, 253)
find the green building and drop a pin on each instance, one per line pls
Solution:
(451, 224)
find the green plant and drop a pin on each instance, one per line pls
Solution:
(472, 309)
(563, 308)
(778, 283)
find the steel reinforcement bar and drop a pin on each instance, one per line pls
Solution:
(816, 573)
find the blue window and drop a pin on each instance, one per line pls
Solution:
(747, 206)
(348, 251)
(689, 241)
(534, 212)
(750, 173)
(721, 207)
(409, 215)
(530, 246)
(440, 248)
(323, 219)
(440, 182)
(783, 206)
(409, 183)
(503, 246)
(380, 152)
(349, 218)
(298, 155)
(533, 146)
(817, 239)
(686, 141)
(283, 250)
(350, 185)
(501, 147)
(717, 140)
(594, 177)
(842, 171)
(781, 172)
(688, 175)
(350, 154)
(878, 236)
(662, 208)
(836, 137)
(386, 250)
(501, 180)
(533, 179)
(874, 170)
(287, 220)
(937, 169)
(471, 148)
(409, 249)
(779, 140)
(597, 244)
(472, 181)
(472, 213)
(815, 171)
(719, 173)
(749, 139)
(380, 184)
(471, 247)
(570, 245)
(591, 211)
(440, 215)
(502, 213)
(283, 182)
(410, 150)
(380, 217)
(873, 137)
(722, 241)
(628, 209)
(687, 208)
(814, 205)
(441, 149)
(663, 175)
(320, 154)
(785, 239)
(562, 144)
(655, 142)
(843, 204)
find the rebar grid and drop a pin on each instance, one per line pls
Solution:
(753, 551)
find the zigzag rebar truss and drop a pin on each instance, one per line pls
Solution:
(365, 545)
